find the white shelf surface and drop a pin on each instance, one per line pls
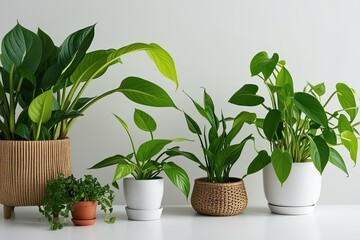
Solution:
(182, 222)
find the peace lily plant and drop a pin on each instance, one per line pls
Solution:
(300, 126)
(42, 85)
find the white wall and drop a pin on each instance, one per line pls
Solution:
(212, 43)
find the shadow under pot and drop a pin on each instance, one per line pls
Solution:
(84, 213)
(143, 198)
(219, 199)
(300, 192)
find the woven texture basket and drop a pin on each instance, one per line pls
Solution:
(219, 199)
(25, 167)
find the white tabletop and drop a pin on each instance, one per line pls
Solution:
(181, 222)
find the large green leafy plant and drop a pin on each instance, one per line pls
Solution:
(61, 193)
(149, 159)
(300, 126)
(46, 83)
(220, 148)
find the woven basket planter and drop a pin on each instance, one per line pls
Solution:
(25, 167)
(219, 199)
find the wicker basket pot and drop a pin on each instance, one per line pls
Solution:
(219, 199)
(25, 167)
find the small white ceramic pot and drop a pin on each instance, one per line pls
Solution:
(300, 192)
(143, 198)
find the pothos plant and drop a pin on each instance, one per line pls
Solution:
(42, 85)
(61, 193)
(220, 147)
(149, 159)
(300, 126)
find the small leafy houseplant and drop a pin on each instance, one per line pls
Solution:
(46, 83)
(63, 193)
(300, 126)
(146, 162)
(220, 153)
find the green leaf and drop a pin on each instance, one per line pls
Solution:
(271, 123)
(50, 77)
(350, 141)
(176, 152)
(329, 136)
(82, 102)
(240, 119)
(261, 63)
(23, 131)
(122, 122)
(48, 48)
(259, 162)
(208, 103)
(320, 89)
(311, 107)
(246, 96)
(192, 125)
(347, 99)
(282, 163)
(144, 92)
(178, 177)
(74, 48)
(60, 115)
(144, 121)
(336, 159)
(344, 124)
(21, 47)
(28, 75)
(122, 170)
(160, 57)
(40, 108)
(116, 159)
(150, 148)
(319, 152)
(284, 80)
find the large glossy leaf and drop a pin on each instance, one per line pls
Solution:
(261, 63)
(48, 48)
(74, 48)
(92, 66)
(311, 107)
(110, 161)
(192, 125)
(319, 152)
(271, 123)
(150, 148)
(282, 163)
(145, 92)
(161, 58)
(21, 47)
(259, 162)
(122, 170)
(336, 159)
(178, 177)
(40, 108)
(246, 96)
(240, 119)
(50, 77)
(144, 121)
(347, 99)
(329, 136)
(351, 143)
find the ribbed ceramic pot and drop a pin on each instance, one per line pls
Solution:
(219, 199)
(26, 166)
(300, 192)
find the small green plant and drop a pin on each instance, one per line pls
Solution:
(149, 159)
(300, 126)
(62, 192)
(42, 85)
(219, 152)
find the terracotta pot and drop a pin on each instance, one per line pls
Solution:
(219, 199)
(26, 166)
(84, 213)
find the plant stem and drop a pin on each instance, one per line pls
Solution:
(12, 104)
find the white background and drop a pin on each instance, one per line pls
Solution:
(212, 43)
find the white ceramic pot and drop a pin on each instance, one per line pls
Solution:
(143, 198)
(300, 192)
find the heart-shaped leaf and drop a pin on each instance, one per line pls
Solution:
(246, 96)
(282, 163)
(261, 63)
(144, 121)
(259, 162)
(271, 123)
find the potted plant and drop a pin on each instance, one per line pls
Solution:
(144, 192)
(218, 193)
(78, 196)
(41, 95)
(303, 132)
